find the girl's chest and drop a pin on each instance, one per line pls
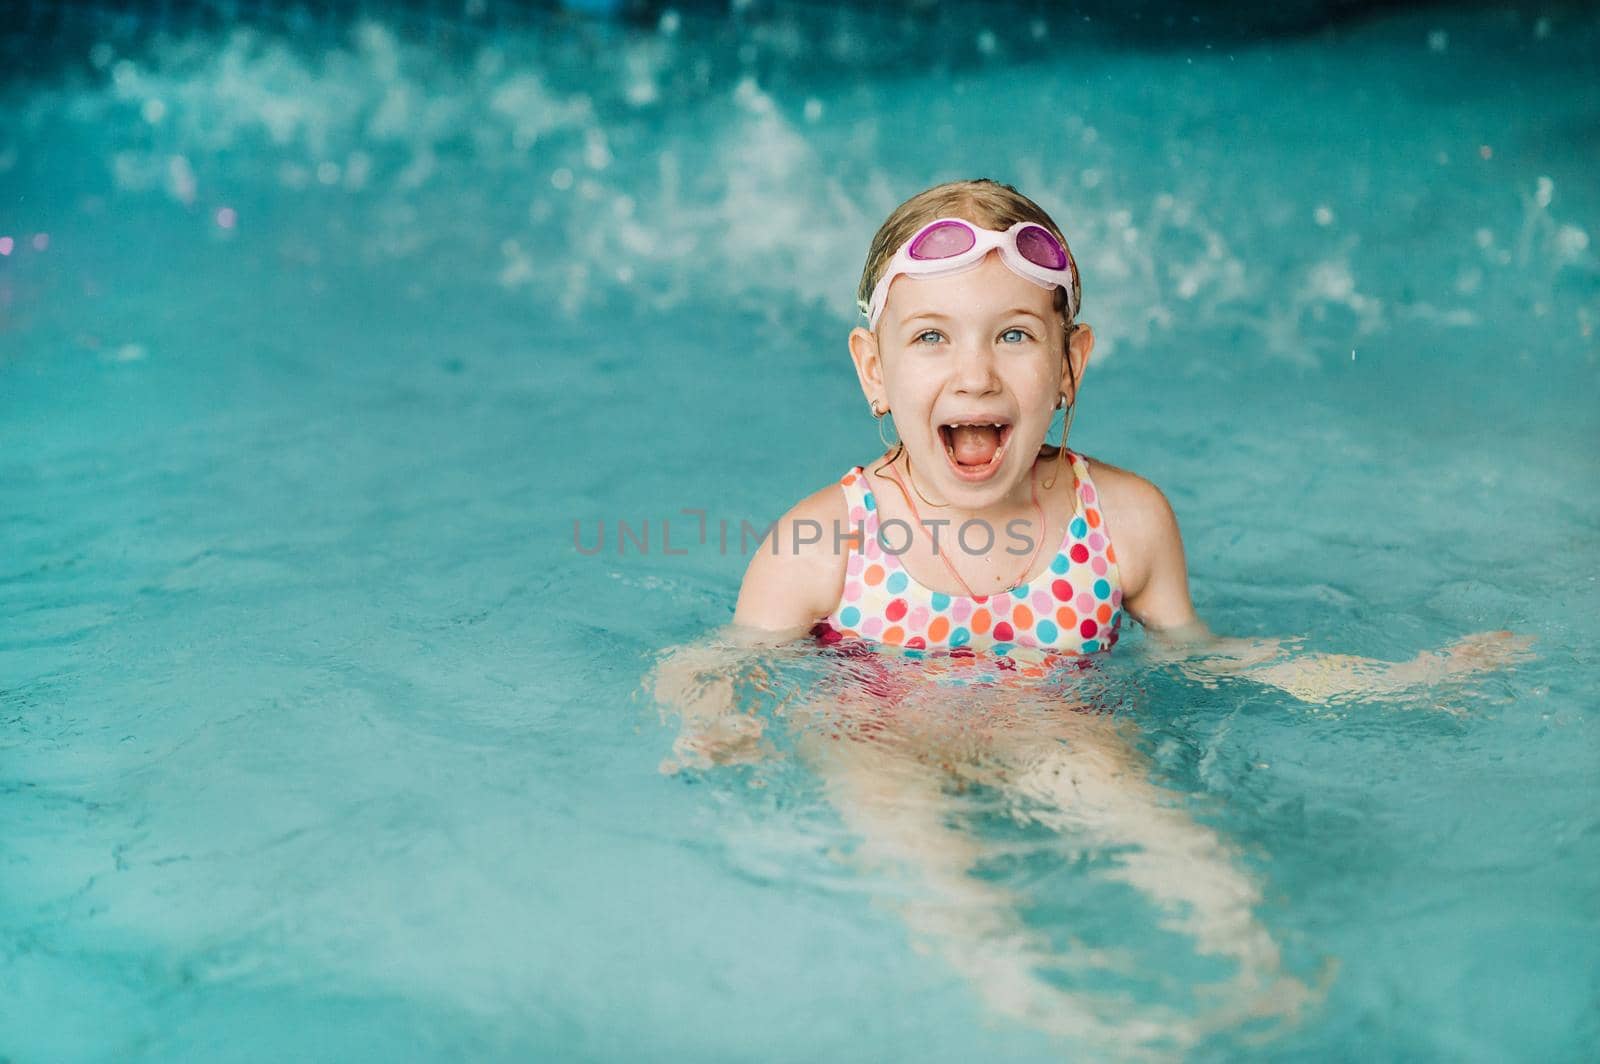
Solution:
(1069, 598)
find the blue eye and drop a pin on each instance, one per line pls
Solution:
(1020, 332)
(927, 333)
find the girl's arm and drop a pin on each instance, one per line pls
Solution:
(1156, 593)
(794, 578)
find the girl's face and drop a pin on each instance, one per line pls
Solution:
(971, 367)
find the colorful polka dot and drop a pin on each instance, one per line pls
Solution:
(1075, 607)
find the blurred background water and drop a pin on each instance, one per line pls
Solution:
(321, 326)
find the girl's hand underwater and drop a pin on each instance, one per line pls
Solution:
(733, 739)
(700, 682)
(1483, 651)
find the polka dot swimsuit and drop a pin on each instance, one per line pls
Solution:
(1073, 607)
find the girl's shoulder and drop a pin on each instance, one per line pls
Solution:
(797, 571)
(1138, 518)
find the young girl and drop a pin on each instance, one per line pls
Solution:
(975, 554)
(972, 531)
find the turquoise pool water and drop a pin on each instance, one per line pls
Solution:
(322, 741)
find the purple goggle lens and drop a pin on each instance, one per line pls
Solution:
(942, 240)
(1040, 247)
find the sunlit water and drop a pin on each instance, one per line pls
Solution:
(321, 740)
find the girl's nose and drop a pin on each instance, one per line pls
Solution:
(975, 370)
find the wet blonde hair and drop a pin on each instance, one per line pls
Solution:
(983, 202)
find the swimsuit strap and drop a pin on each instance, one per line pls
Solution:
(1038, 511)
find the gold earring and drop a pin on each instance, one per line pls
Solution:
(880, 414)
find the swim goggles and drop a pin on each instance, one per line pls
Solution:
(953, 245)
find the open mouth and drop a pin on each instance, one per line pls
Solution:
(974, 448)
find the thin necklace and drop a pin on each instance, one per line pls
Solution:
(912, 476)
(1038, 513)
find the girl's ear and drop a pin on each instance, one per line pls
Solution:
(1080, 343)
(869, 367)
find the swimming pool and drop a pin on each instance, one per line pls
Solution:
(319, 364)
